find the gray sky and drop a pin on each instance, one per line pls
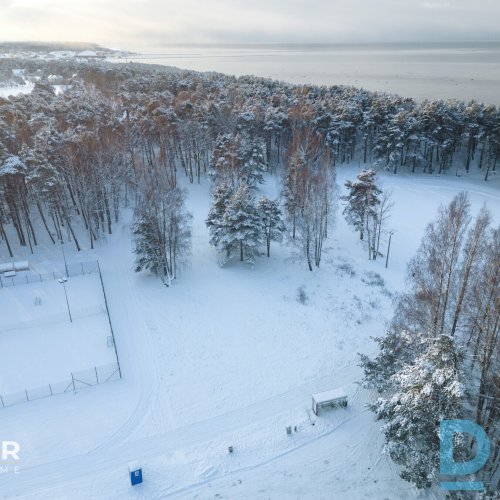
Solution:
(141, 23)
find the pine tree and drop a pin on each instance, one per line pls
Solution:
(215, 220)
(149, 247)
(426, 391)
(251, 156)
(162, 234)
(244, 227)
(397, 349)
(224, 163)
(361, 206)
(238, 159)
(273, 224)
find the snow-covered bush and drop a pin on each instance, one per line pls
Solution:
(302, 296)
(346, 270)
(372, 278)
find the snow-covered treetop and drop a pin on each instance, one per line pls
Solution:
(11, 165)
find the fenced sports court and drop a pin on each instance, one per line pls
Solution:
(56, 334)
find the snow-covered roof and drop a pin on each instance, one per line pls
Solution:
(324, 397)
(133, 465)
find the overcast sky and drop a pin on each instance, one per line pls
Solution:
(141, 23)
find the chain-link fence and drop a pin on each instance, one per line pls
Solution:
(78, 380)
(68, 270)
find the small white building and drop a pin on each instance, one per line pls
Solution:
(335, 397)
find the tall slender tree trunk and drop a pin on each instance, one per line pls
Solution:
(4, 237)
(42, 216)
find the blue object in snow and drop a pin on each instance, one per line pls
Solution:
(135, 475)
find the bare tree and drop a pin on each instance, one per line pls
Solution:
(308, 191)
(384, 214)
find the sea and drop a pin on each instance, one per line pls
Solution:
(461, 70)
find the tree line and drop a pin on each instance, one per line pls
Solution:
(440, 358)
(119, 132)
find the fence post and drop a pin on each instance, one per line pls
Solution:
(1, 399)
(26, 391)
(73, 381)
(50, 387)
(109, 319)
(40, 278)
(96, 377)
(81, 263)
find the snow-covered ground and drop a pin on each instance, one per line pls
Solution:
(39, 343)
(16, 89)
(13, 90)
(229, 356)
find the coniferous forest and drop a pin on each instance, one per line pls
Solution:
(122, 134)
(130, 135)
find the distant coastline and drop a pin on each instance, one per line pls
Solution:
(446, 70)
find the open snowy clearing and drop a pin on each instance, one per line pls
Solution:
(229, 356)
(39, 343)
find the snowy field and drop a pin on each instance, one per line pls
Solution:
(230, 356)
(39, 343)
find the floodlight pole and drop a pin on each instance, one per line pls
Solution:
(388, 249)
(64, 257)
(63, 282)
